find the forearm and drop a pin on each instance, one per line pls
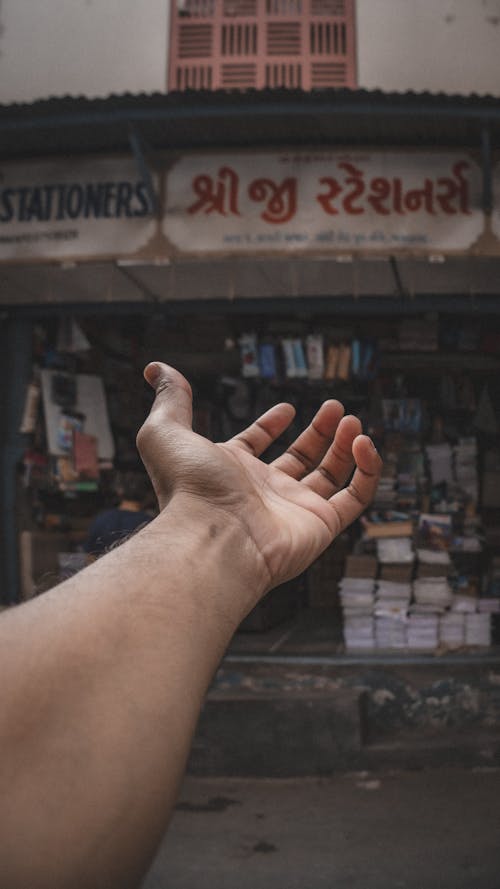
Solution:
(103, 678)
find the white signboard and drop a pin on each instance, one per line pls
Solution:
(90, 403)
(323, 202)
(87, 209)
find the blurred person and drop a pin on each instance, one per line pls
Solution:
(112, 526)
(103, 677)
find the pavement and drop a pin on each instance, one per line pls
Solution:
(427, 829)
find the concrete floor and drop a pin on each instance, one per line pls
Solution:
(432, 829)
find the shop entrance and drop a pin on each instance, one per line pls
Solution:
(418, 575)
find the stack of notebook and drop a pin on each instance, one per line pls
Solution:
(465, 453)
(357, 598)
(452, 629)
(478, 629)
(391, 613)
(431, 595)
(423, 632)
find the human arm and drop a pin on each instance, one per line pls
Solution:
(103, 677)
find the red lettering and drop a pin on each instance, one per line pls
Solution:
(398, 195)
(380, 189)
(281, 200)
(326, 200)
(216, 195)
(421, 198)
(355, 179)
(454, 189)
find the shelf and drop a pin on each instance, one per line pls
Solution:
(438, 361)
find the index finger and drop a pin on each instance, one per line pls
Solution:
(255, 439)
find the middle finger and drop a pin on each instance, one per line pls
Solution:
(312, 444)
(338, 463)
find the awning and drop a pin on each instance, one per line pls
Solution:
(76, 125)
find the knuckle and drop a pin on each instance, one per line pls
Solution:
(142, 437)
(356, 494)
(301, 457)
(329, 476)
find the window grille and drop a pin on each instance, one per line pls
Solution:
(240, 44)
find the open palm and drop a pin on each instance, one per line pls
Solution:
(290, 509)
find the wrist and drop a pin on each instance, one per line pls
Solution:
(223, 573)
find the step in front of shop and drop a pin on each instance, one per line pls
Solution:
(289, 721)
(280, 736)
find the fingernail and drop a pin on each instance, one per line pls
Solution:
(373, 446)
(151, 373)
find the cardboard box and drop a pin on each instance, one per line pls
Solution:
(375, 530)
(361, 566)
(425, 570)
(401, 572)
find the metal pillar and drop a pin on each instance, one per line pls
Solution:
(138, 148)
(487, 171)
(15, 372)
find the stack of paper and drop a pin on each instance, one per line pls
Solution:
(432, 593)
(440, 462)
(391, 632)
(391, 613)
(392, 592)
(385, 498)
(464, 604)
(470, 543)
(478, 629)
(357, 598)
(466, 467)
(390, 627)
(433, 563)
(357, 593)
(452, 629)
(423, 631)
(395, 550)
(434, 557)
(488, 605)
(359, 633)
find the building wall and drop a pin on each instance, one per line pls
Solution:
(81, 47)
(438, 45)
(97, 47)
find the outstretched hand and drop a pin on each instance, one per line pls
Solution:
(289, 510)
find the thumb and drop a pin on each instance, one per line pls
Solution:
(173, 395)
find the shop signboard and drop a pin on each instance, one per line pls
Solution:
(323, 202)
(267, 203)
(76, 209)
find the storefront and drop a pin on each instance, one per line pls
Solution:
(333, 245)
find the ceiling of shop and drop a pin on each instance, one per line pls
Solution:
(248, 280)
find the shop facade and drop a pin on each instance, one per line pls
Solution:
(315, 247)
